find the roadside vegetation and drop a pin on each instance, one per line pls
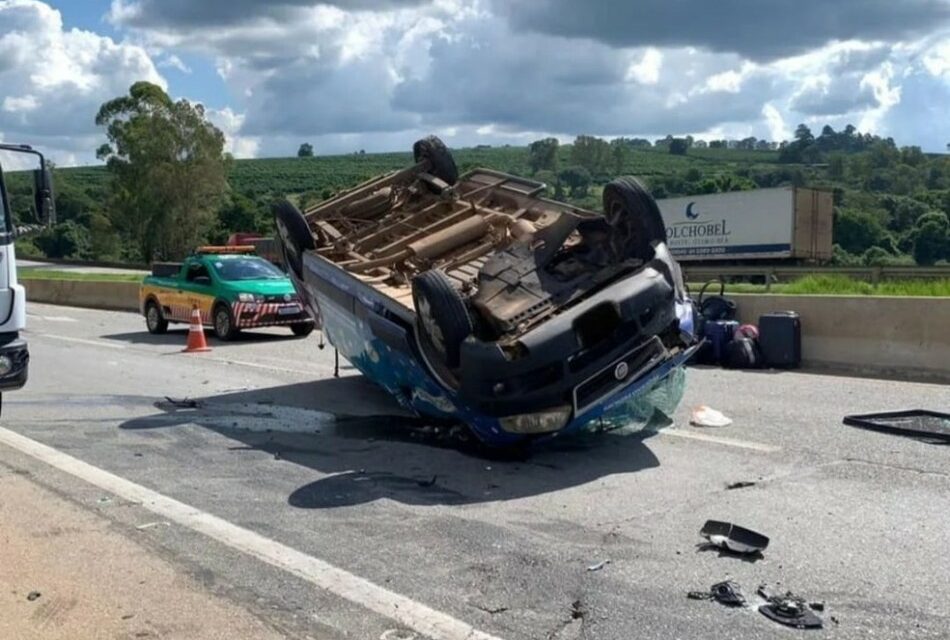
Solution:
(844, 285)
(168, 185)
(32, 273)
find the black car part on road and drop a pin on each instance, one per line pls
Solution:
(919, 423)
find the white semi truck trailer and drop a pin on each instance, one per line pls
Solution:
(783, 224)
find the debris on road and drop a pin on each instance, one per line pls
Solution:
(598, 566)
(742, 484)
(704, 416)
(733, 537)
(33, 595)
(728, 593)
(183, 403)
(149, 525)
(789, 609)
(919, 423)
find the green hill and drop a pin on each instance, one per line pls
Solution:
(892, 204)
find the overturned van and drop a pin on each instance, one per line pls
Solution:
(472, 298)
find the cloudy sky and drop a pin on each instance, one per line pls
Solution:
(377, 74)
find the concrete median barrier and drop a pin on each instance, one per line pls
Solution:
(905, 337)
(116, 296)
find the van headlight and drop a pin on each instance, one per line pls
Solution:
(540, 422)
(250, 297)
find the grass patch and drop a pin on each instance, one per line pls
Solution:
(844, 285)
(32, 273)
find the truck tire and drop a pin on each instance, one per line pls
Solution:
(294, 236)
(633, 213)
(154, 321)
(223, 320)
(442, 319)
(441, 162)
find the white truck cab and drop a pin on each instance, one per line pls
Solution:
(14, 352)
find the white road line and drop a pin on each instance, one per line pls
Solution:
(52, 318)
(729, 442)
(241, 363)
(94, 343)
(405, 611)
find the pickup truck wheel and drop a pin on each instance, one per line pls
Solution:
(442, 318)
(224, 326)
(635, 217)
(294, 235)
(302, 330)
(154, 321)
(441, 162)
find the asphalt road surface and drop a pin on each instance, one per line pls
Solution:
(311, 506)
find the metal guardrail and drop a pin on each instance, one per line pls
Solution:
(703, 273)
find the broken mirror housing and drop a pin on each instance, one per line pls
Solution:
(473, 298)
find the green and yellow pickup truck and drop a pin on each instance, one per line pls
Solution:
(232, 288)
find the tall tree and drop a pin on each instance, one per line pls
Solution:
(618, 149)
(542, 155)
(592, 153)
(803, 134)
(169, 170)
(306, 150)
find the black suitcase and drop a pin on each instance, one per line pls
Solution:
(780, 339)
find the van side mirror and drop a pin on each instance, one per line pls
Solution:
(43, 195)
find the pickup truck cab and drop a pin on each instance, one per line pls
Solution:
(232, 289)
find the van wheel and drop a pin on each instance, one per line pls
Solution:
(635, 217)
(294, 236)
(441, 163)
(154, 321)
(224, 326)
(442, 318)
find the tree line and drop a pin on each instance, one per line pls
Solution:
(171, 186)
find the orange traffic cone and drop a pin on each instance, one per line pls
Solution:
(196, 334)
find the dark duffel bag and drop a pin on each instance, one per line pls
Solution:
(742, 353)
(716, 307)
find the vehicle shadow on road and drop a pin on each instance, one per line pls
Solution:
(377, 455)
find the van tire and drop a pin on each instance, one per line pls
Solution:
(293, 234)
(441, 162)
(442, 319)
(635, 217)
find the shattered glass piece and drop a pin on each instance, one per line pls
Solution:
(640, 410)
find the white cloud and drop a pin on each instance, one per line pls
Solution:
(376, 74)
(24, 103)
(52, 80)
(647, 70)
(778, 130)
(230, 124)
(174, 62)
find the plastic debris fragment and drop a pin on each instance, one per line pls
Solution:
(704, 416)
(733, 537)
